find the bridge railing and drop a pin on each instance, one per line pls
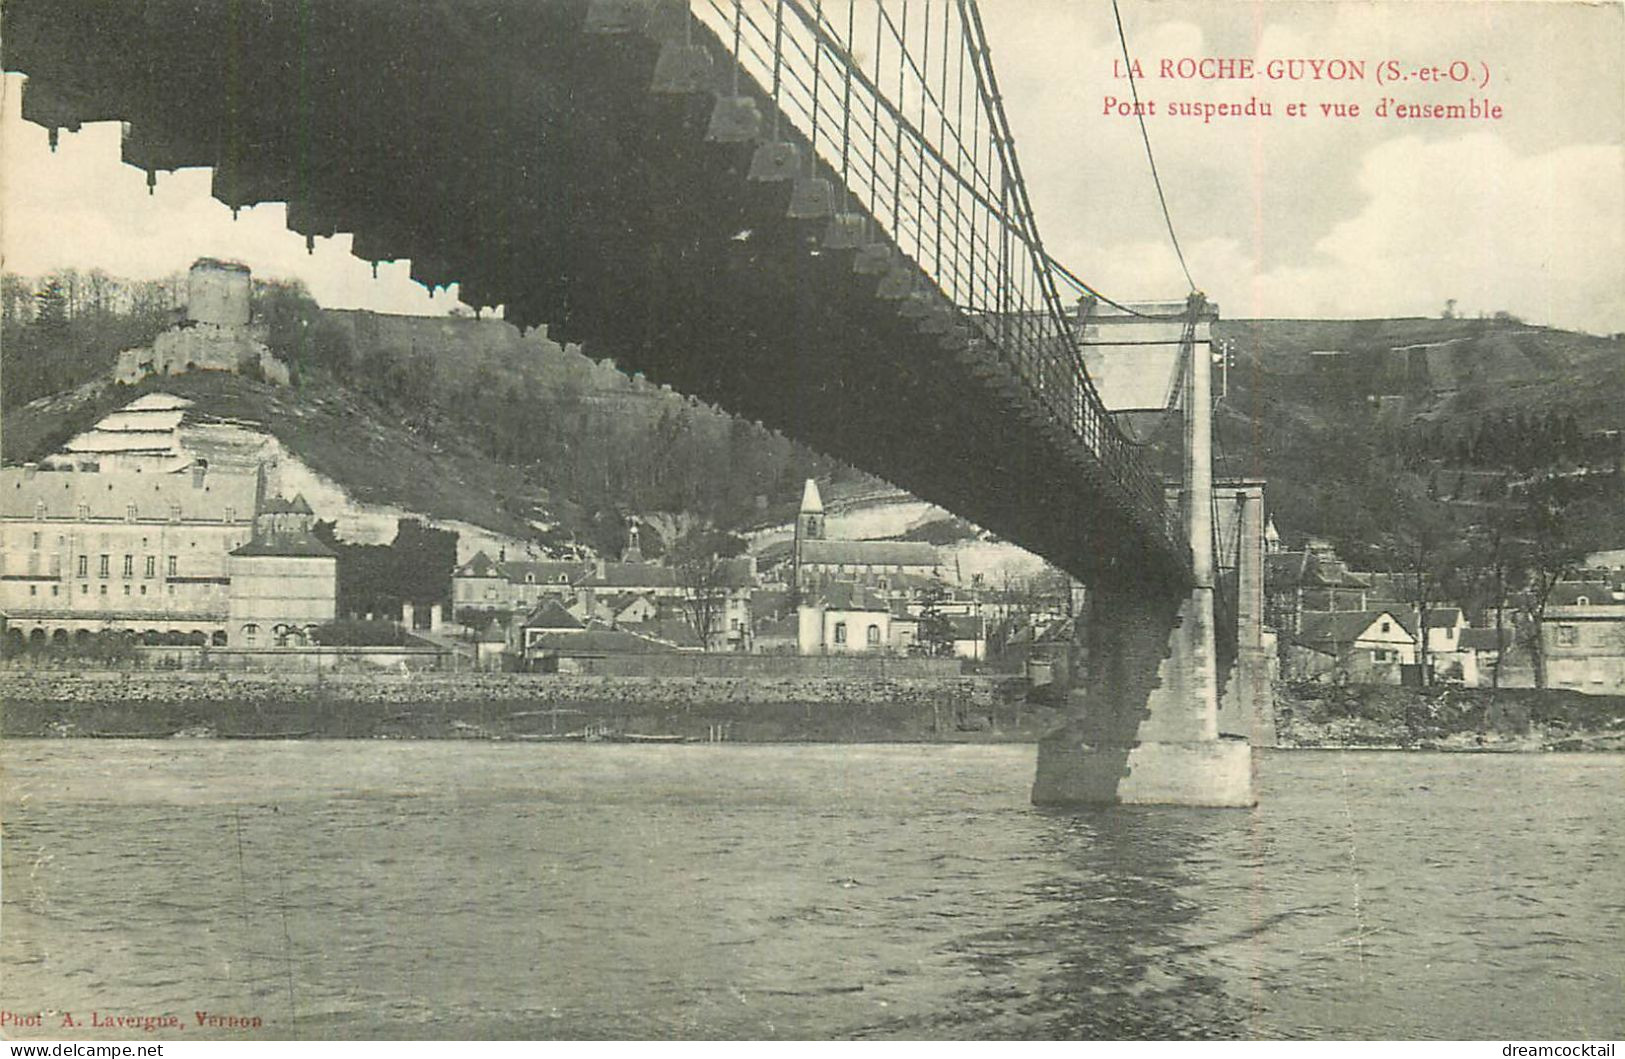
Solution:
(900, 100)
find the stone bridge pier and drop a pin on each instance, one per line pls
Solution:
(1144, 725)
(1144, 728)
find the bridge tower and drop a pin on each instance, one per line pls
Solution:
(1144, 719)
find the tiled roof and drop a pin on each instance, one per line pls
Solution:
(600, 642)
(672, 630)
(1344, 627)
(1057, 632)
(478, 566)
(966, 626)
(1291, 569)
(785, 628)
(905, 581)
(277, 505)
(109, 495)
(543, 571)
(286, 545)
(869, 553)
(768, 602)
(1569, 594)
(522, 571)
(551, 615)
(1484, 639)
(631, 575)
(846, 595)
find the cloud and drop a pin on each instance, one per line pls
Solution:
(1285, 217)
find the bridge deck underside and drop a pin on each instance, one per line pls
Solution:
(497, 144)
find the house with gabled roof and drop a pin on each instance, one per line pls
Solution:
(588, 650)
(1300, 582)
(485, 584)
(1583, 637)
(1368, 646)
(844, 617)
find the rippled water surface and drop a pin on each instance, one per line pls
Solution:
(459, 889)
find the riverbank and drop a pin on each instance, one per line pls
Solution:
(1483, 720)
(515, 706)
(757, 709)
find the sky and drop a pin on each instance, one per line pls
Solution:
(1299, 216)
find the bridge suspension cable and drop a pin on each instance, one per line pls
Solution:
(898, 102)
(1134, 90)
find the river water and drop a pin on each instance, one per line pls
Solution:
(438, 889)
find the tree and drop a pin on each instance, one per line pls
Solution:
(51, 308)
(936, 630)
(1420, 545)
(1489, 568)
(700, 558)
(1553, 541)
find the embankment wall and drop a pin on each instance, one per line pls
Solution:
(511, 705)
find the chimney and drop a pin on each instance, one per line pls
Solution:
(200, 470)
(30, 469)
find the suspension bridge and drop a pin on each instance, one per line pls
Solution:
(808, 212)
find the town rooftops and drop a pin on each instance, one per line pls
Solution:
(294, 545)
(522, 571)
(868, 553)
(276, 505)
(1570, 594)
(1345, 627)
(551, 615)
(1444, 617)
(787, 627)
(768, 603)
(671, 630)
(629, 575)
(847, 595)
(27, 491)
(540, 571)
(597, 642)
(481, 565)
(1308, 570)
(1485, 639)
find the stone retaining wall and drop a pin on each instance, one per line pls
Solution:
(539, 689)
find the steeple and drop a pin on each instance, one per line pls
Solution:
(811, 502)
(809, 527)
(810, 523)
(633, 553)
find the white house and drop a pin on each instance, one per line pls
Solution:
(845, 618)
(1369, 646)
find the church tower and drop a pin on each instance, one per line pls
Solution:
(634, 551)
(809, 526)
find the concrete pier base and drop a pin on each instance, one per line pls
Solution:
(1214, 773)
(1144, 725)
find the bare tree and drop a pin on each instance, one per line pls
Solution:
(700, 558)
(1419, 547)
(1554, 540)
